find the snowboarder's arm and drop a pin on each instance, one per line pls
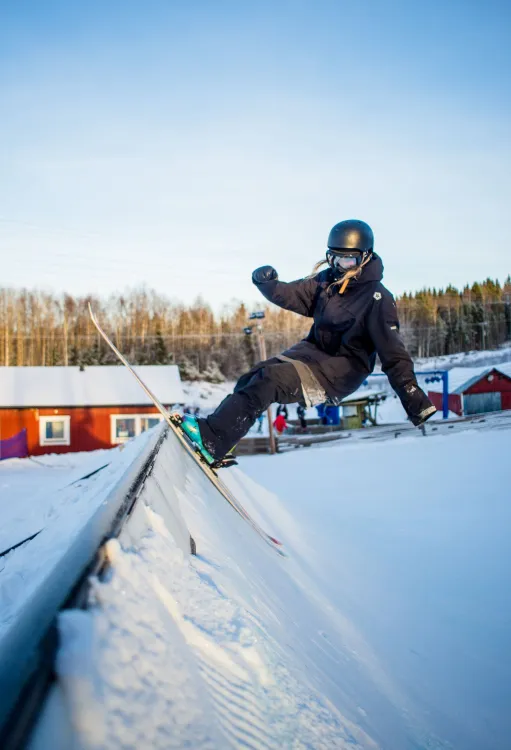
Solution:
(383, 325)
(298, 296)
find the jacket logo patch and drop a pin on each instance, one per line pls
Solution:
(377, 295)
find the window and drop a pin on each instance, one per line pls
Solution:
(55, 430)
(147, 422)
(127, 426)
(349, 411)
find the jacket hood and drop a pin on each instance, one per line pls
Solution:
(373, 271)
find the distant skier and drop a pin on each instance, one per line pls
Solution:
(354, 318)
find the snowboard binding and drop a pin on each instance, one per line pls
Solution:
(190, 428)
(225, 462)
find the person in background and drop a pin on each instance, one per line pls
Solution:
(300, 413)
(282, 409)
(280, 423)
(260, 420)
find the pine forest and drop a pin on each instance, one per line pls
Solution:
(40, 328)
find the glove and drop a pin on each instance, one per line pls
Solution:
(263, 274)
(424, 415)
(418, 405)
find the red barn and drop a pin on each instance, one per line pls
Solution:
(477, 390)
(68, 409)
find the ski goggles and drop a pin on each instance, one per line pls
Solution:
(342, 260)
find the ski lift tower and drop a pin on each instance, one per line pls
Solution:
(259, 316)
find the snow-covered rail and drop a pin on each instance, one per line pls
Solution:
(28, 633)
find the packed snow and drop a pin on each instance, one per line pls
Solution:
(50, 498)
(387, 625)
(484, 358)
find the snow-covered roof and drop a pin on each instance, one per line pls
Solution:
(23, 387)
(461, 378)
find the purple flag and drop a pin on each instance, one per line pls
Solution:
(15, 446)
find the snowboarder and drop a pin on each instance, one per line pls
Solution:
(354, 317)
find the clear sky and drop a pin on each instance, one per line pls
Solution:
(182, 144)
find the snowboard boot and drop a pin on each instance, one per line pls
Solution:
(190, 426)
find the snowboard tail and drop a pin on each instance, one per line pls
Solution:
(174, 422)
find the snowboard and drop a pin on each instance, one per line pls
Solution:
(191, 448)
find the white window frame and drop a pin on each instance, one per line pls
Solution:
(43, 421)
(114, 440)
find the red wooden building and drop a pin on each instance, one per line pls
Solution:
(68, 409)
(477, 392)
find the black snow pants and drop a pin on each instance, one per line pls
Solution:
(271, 381)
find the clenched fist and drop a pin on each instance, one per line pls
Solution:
(263, 274)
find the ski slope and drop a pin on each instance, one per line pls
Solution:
(388, 625)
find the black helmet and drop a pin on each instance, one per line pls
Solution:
(350, 244)
(351, 234)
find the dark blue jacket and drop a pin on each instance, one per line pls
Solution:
(348, 331)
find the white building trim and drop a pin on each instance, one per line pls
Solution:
(65, 439)
(138, 426)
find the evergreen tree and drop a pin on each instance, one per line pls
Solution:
(212, 374)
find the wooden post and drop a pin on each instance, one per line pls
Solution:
(262, 354)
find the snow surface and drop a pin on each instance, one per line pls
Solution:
(484, 358)
(388, 625)
(49, 497)
(30, 489)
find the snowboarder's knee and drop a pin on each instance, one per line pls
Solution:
(273, 383)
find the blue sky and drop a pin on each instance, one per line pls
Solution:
(182, 144)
